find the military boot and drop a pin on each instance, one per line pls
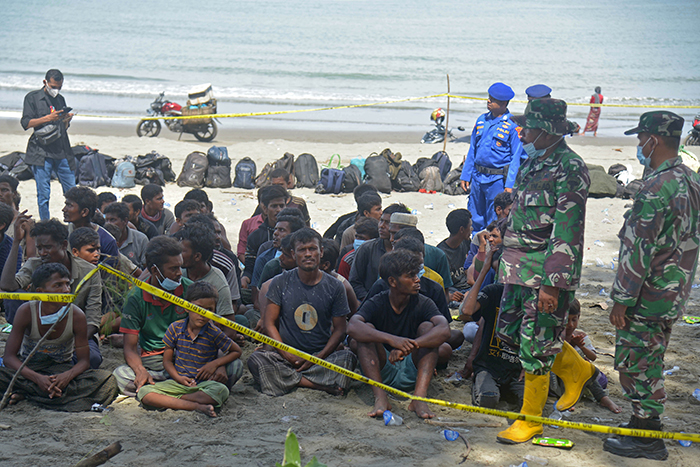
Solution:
(575, 372)
(534, 400)
(632, 446)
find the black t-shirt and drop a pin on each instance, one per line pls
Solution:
(378, 312)
(428, 287)
(492, 357)
(456, 257)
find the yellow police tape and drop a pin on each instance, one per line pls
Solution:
(317, 361)
(318, 109)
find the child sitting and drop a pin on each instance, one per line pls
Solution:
(582, 343)
(190, 358)
(50, 379)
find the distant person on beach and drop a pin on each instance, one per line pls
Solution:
(191, 359)
(153, 209)
(594, 113)
(306, 309)
(398, 333)
(51, 379)
(658, 259)
(45, 111)
(456, 247)
(183, 211)
(137, 222)
(366, 228)
(78, 211)
(131, 242)
(368, 205)
(538, 91)
(494, 157)
(281, 177)
(346, 220)
(541, 263)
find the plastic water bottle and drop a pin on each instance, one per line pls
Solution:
(671, 371)
(556, 415)
(391, 419)
(450, 435)
(683, 442)
(524, 464)
(696, 394)
(455, 378)
(599, 262)
(599, 243)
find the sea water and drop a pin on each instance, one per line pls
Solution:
(290, 55)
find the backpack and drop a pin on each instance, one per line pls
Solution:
(377, 173)
(422, 163)
(353, 178)
(153, 168)
(92, 170)
(218, 155)
(218, 176)
(452, 185)
(13, 164)
(263, 178)
(331, 181)
(602, 184)
(245, 174)
(286, 162)
(306, 171)
(430, 179)
(124, 174)
(194, 170)
(406, 179)
(359, 162)
(394, 161)
(443, 162)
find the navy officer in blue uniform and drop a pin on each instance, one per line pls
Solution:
(538, 91)
(494, 157)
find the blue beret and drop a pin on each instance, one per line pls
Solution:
(538, 91)
(501, 91)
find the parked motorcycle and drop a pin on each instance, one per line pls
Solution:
(200, 102)
(693, 138)
(437, 135)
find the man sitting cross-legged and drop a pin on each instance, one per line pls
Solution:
(399, 332)
(50, 379)
(192, 347)
(306, 309)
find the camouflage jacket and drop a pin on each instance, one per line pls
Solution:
(544, 239)
(660, 239)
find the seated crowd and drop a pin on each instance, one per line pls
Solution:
(369, 295)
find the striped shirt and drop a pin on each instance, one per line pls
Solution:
(191, 355)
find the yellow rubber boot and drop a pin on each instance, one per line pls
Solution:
(575, 372)
(534, 399)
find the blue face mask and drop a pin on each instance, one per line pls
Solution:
(50, 319)
(421, 272)
(278, 254)
(645, 161)
(533, 153)
(356, 243)
(168, 284)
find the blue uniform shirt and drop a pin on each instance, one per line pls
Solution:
(495, 143)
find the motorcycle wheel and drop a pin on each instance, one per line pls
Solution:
(691, 140)
(149, 128)
(207, 134)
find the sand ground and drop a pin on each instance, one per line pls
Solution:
(250, 428)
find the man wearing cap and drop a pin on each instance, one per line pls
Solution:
(658, 258)
(538, 91)
(541, 263)
(494, 157)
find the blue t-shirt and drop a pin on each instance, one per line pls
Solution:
(5, 247)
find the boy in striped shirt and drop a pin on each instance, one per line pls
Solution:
(191, 359)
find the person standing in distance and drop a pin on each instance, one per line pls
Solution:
(494, 157)
(46, 109)
(658, 260)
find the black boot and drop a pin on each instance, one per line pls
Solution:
(631, 446)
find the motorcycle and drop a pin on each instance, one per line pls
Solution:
(203, 129)
(693, 138)
(437, 134)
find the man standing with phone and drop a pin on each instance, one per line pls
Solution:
(48, 148)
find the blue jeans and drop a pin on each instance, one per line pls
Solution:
(42, 175)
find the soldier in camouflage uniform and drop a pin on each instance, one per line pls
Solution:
(658, 257)
(541, 263)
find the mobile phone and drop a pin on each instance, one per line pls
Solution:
(66, 110)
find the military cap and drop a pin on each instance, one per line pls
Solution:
(659, 122)
(501, 92)
(549, 115)
(537, 91)
(402, 218)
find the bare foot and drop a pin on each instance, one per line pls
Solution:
(610, 405)
(333, 390)
(380, 406)
(207, 410)
(421, 409)
(15, 398)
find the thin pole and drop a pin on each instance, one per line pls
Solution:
(447, 118)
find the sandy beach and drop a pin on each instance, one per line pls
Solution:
(250, 428)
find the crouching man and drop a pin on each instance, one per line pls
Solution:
(398, 332)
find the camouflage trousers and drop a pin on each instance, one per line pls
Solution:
(639, 357)
(537, 335)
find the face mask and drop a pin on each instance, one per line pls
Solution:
(50, 319)
(168, 284)
(421, 272)
(645, 161)
(51, 91)
(356, 243)
(533, 153)
(278, 254)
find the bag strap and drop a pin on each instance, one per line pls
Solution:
(330, 162)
